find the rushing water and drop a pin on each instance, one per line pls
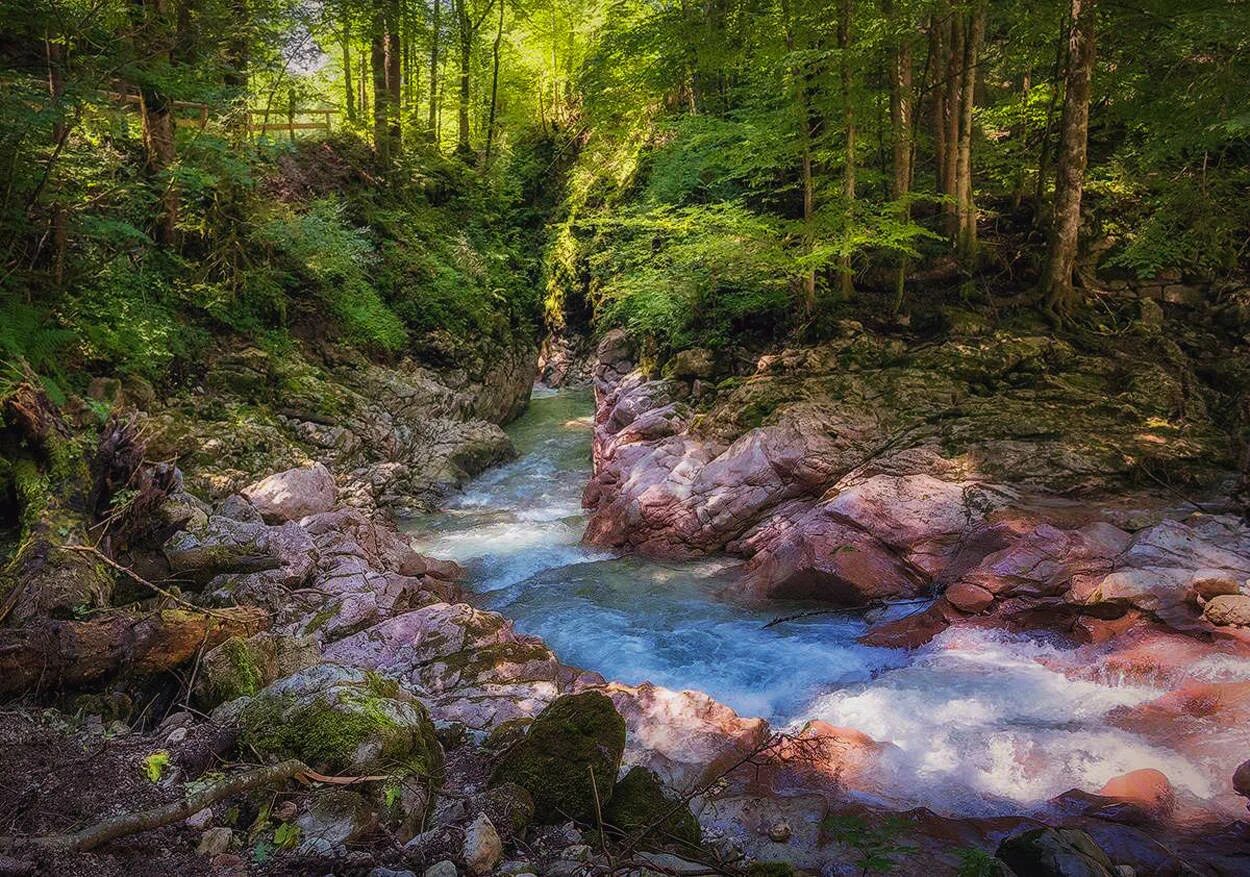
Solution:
(981, 721)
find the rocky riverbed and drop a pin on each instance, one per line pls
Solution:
(477, 750)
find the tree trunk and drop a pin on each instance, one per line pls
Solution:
(803, 111)
(1060, 295)
(951, 106)
(152, 43)
(901, 123)
(967, 244)
(494, 84)
(846, 282)
(348, 88)
(434, 46)
(394, 80)
(465, 29)
(58, 226)
(381, 95)
(937, 94)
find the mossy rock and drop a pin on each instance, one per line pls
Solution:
(340, 720)
(640, 801)
(241, 667)
(1055, 852)
(576, 734)
(770, 869)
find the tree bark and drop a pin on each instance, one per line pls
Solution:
(803, 111)
(58, 654)
(494, 84)
(466, 34)
(937, 94)
(348, 87)
(846, 280)
(1060, 295)
(967, 244)
(951, 105)
(394, 80)
(434, 46)
(901, 124)
(152, 43)
(381, 95)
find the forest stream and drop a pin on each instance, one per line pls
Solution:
(982, 721)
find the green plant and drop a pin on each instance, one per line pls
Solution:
(876, 845)
(154, 765)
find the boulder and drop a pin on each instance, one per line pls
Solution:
(482, 846)
(639, 801)
(241, 667)
(1055, 852)
(1228, 610)
(1147, 788)
(696, 362)
(576, 735)
(293, 494)
(970, 598)
(1241, 779)
(341, 720)
(336, 816)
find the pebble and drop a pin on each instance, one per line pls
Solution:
(176, 736)
(201, 819)
(780, 832)
(576, 853)
(441, 869)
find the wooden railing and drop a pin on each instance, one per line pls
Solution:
(290, 125)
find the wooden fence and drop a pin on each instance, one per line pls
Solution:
(289, 119)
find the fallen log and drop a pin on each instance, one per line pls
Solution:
(54, 654)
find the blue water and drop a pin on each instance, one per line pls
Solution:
(981, 721)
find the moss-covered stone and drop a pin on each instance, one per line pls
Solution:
(770, 869)
(241, 667)
(639, 801)
(339, 720)
(575, 735)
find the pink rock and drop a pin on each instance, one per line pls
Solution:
(970, 598)
(293, 494)
(1148, 788)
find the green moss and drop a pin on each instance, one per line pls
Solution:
(237, 673)
(319, 621)
(332, 732)
(575, 735)
(639, 801)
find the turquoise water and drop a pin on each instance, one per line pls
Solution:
(982, 721)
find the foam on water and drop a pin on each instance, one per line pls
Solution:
(979, 721)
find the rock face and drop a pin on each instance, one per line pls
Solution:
(576, 736)
(1049, 852)
(1228, 610)
(396, 438)
(293, 494)
(959, 482)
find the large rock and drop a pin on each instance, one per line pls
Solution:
(1147, 788)
(341, 720)
(576, 735)
(241, 667)
(1051, 852)
(639, 802)
(293, 494)
(1228, 610)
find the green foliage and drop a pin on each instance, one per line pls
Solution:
(154, 765)
(876, 846)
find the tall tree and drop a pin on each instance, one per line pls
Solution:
(846, 280)
(1059, 294)
(435, 40)
(902, 100)
(152, 44)
(494, 83)
(967, 242)
(467, 26)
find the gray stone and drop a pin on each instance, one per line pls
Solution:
(482, 846)
(215, 841)
(1050, 852)
(445, 868)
